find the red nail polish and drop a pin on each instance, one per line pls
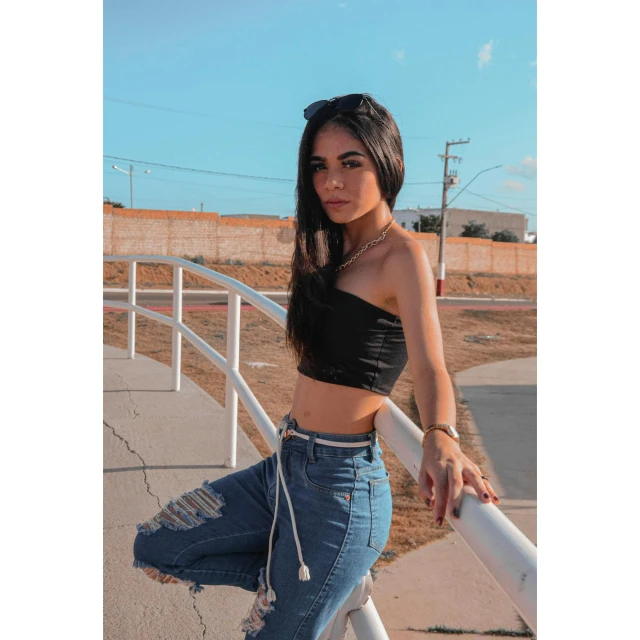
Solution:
(439, 521)
(486, 496)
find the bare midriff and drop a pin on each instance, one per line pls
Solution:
(333, 408)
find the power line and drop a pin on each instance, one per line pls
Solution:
(249, 177)
(513, 197)
(145, 105)
(502, 204)
(206, 171)
(203, 184)
(220, 173)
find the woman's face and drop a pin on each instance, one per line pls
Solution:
(340, 174)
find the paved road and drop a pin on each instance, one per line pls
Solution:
(217, 300)
(502, 398)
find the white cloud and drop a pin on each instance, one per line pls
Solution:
(513, 185)
(398, 56)
(528, 168)
(484, 55)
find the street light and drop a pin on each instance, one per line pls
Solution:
(443, 228)
(130, 174)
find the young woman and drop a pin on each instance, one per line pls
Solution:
(362, 303)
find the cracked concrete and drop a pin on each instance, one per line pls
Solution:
(158, 444)
(202, 624)
(144, 470)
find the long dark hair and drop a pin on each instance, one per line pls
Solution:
(318, 247)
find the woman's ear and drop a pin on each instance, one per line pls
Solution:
(399, 159)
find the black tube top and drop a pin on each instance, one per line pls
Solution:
(360, 345)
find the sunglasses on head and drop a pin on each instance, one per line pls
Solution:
(345, 103)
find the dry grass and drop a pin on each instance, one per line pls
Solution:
(276, 277)
(263, 341)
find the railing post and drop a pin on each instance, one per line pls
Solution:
(176, 338)
(233, 360)
(131, 315)
(367, 624)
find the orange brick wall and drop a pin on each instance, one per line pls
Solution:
(189, 233)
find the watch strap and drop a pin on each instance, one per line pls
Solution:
(442, 427)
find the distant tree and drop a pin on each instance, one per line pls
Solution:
(505, 236)
(113, 203)
(475, 229)
(431, 223)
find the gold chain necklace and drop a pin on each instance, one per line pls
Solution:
(366, 246)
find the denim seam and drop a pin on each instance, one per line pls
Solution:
(341, 553)
(367, 471)
(235, 573)
(319, 488)
(195, 544)
(373, 483)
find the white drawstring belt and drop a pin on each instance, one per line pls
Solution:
(303, 572)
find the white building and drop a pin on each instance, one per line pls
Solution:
(457, 218)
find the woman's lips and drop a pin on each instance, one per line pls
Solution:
(336, 205)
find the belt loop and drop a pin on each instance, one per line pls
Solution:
(372, 444)
(312, 441)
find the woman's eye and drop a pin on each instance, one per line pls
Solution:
(350, 163)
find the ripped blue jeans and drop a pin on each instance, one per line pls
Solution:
(219, 534)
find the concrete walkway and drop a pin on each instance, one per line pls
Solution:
(157, 445)
(443, 584)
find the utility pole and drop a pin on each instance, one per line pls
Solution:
(131, 183)
(201, 205)
(130, 174)
(450, 180)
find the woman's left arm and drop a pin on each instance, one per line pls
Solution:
(444, 468)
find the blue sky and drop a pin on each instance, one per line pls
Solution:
(224, 86)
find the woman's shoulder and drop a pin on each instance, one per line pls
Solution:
(402, 246)
(405, 258)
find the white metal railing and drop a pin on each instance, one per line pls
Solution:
(505, 552)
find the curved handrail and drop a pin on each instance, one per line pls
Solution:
(507, 554)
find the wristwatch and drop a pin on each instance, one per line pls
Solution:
(447, 428)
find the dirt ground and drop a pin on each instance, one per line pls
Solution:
(262, 341)
(274, 277)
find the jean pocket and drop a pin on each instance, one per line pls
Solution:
(381, 511)
(329, 475)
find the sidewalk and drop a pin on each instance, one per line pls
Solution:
(443, 584)
(158, 444)
(176, 436)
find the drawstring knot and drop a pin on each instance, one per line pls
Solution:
(303, 572)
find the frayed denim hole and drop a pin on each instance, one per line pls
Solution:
(191, 509)
(165, 578)
(254, 620)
